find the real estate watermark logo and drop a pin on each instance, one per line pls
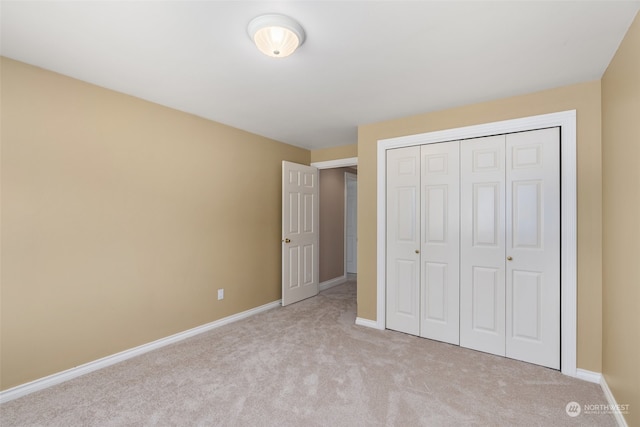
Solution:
(574, 409)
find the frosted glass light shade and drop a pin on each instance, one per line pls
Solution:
(277, 36)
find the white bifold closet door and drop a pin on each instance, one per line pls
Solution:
(510, 246)
(482, 244)
(423, 241)
(440, 251)
(473, 244)
(403, 240)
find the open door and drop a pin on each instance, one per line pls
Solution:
(300, 212)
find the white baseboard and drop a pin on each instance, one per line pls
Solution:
(612, 403)
(60, 377)
(368, 323)
(592, 377)
(331, 283)
(598, 378)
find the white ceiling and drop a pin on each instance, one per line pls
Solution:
(362, 62)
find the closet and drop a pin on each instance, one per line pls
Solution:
(473, 244)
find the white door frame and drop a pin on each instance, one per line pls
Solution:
(338, 163)
(349, 176)
(568, 185)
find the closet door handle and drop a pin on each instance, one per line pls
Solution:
(509, 258)
(417, 251)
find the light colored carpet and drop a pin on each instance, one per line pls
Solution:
(308, 364)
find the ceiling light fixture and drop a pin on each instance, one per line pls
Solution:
(277, 36)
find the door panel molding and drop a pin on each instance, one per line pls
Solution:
(566, 120)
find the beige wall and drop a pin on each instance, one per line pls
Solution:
(334, 153)
(118, 225)
(121, 219)
(332, 215)
(621, 223)
(585, 98)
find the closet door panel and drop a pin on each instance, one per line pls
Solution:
(482, 244)
(440, 182)
(533, 247)
(403, 240)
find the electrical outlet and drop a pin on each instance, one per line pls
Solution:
(220, 294)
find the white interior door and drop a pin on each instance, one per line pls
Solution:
(403, 240)
(351, 222)
(440, 201)
(482, 244)
(299, 232)
(533, 247)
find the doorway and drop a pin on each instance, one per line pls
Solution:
(338, 240)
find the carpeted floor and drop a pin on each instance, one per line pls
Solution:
(308, 364)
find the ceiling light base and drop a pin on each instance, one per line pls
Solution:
(275, 35)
